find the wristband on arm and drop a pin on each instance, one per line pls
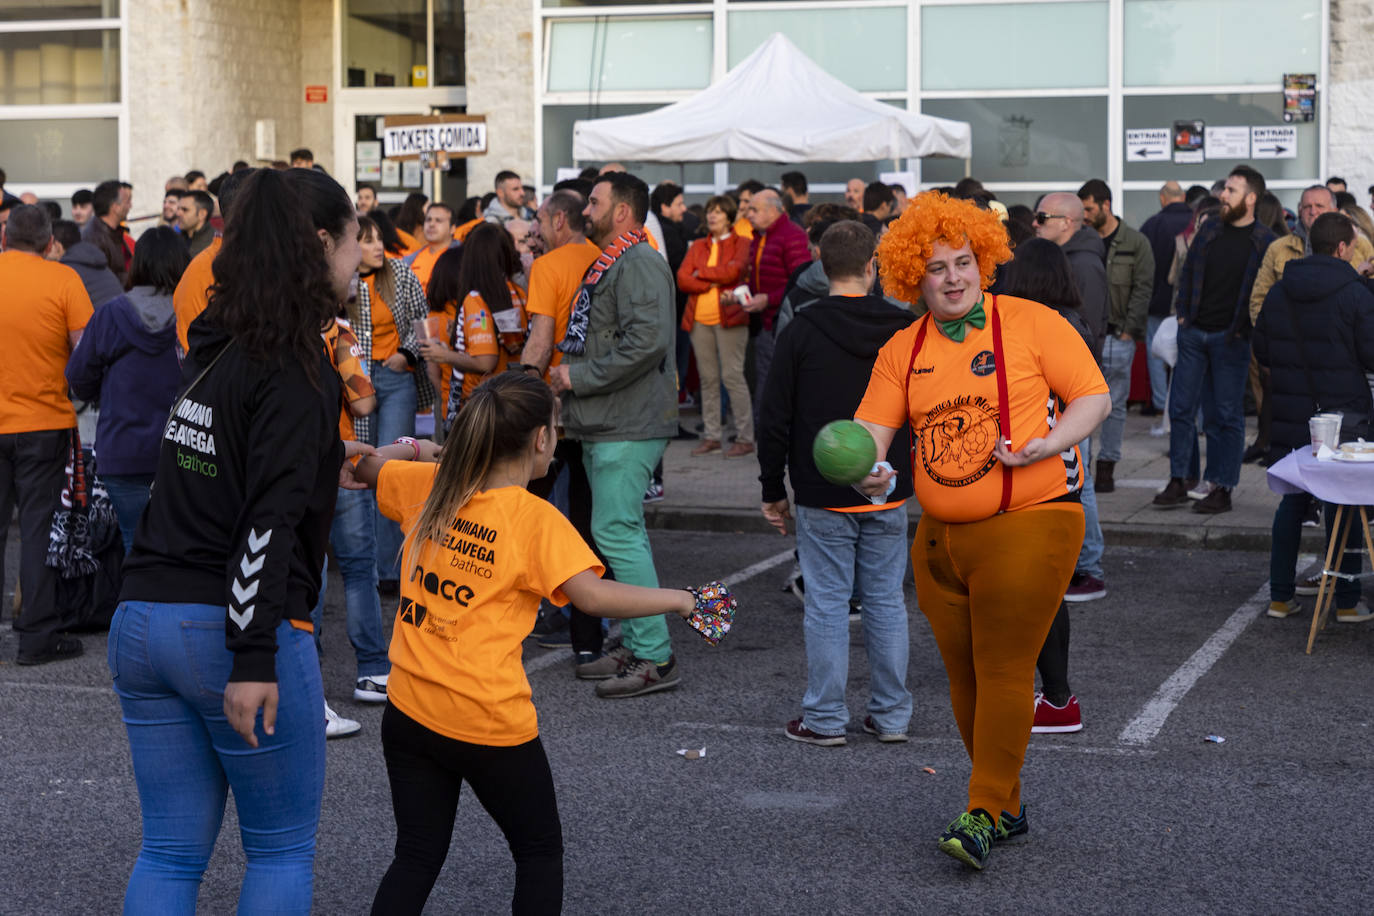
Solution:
(407, 440)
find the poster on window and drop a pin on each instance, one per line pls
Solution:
(1190, 139)
(1299, 97)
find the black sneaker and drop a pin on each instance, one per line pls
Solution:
(1172, 496)
(1011, 829)
(1254, 453)
(551, 630)
(968, 838)
(63, 647)
(856, 610)
(1219, 500)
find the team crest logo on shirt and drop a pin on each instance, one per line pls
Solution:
(983, 364)
(957, 439)
(412, 613)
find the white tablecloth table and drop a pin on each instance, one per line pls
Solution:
(1348, 485)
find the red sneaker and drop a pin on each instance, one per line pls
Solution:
(1051, 719)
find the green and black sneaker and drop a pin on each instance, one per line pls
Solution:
(969, 838)
(1011, 830)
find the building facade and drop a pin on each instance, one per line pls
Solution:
(1056, 90)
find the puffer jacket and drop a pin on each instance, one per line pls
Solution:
(776, 252)
(1317, 322)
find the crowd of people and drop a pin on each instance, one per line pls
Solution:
(278, 368)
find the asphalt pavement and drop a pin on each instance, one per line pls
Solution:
(1135, 814)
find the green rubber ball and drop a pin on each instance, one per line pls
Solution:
(844, 452)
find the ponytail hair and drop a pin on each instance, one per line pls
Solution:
(494, 424)
(273, 290)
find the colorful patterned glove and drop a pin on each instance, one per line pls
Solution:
(715, 611)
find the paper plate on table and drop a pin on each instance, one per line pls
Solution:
(1356, 451)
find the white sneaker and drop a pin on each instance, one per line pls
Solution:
(371, 689)
(336, 726)
(1159, 430)
(1201, 490)
(1357, 614)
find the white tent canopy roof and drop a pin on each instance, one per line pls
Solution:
(777, 105)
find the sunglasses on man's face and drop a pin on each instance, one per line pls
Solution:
(1043, 217)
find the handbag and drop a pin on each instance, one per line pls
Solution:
(1165, 342)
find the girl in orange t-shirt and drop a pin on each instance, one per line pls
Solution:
(480, 553)
(491, 323)
(998, 392)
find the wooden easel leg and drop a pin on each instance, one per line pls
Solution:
(1326, 591)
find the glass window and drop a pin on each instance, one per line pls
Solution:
(76, 149)
(384, 41)
(558, 132)
(603, 54)
(31, 10)
(448, 42)
(865, 48)
(1220, 42)
(557, 3)
(1260, 109)
(59, 68)
(1038, 46)
(1025, 139)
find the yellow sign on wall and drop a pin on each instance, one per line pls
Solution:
(419, 75)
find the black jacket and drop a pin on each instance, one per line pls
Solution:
(246, 483)
(1324, 300)
(1085, 252)
(1161, 229)
(819, 373)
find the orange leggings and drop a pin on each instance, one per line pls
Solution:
(990, 590)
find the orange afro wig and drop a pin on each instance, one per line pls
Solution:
(934, 217)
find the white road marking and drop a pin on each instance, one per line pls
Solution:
(952, 743)
(61, 688)
(1150, 720)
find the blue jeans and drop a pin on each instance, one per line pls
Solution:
(1287, 537)
(863, 554)
(353, 536)
(170, 667)
(1211, 371)
(397, 402)
(1159, 378)
(1090, 554)
(129, 495)
(1117, 357)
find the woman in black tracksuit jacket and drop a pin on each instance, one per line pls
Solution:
(211, 651)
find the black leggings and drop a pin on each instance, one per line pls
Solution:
(513, 784)
(1053, 662)
(584, 629)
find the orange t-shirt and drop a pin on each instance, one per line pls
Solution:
(409, 242)
(555, 279)
(460, 232)
(708, 303)
(45, 301)
(951, 400)
(743, 228)
(485, 333)
(193, 290)
(467, 604)
(385, 339)
(423, 265)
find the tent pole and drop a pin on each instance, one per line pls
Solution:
(682, 175)
(968, 168)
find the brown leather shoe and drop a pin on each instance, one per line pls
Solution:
(740, 449)
(1172, 496)
(706, 447)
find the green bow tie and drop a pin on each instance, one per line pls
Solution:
(955, 329)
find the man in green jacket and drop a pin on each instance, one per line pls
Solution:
(1130, 266)
(618, 382)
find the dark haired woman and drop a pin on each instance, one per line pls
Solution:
(392, 243)
(127, 361)
(491, 325)
(213, 661)
(1040, 272)
(442, 294)
(410, 219)
(460, 709)
(390, 300)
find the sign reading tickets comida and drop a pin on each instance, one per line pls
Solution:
(409, 136)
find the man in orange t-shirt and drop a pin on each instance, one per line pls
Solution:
(556, 276)
(47, 308)
(438, 239)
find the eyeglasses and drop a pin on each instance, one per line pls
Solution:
(1043, 217)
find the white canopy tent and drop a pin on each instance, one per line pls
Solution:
(777, 105)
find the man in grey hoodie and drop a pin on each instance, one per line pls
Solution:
(1060, 219)
(88, 261)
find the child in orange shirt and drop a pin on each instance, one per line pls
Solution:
(480, 553)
